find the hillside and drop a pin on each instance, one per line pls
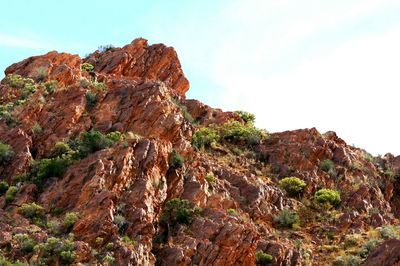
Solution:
(103, 161)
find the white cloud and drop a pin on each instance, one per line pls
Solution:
(349, 87)
(22, 42)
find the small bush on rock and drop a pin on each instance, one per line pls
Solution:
(177, 211)
(70, 219)
(6, 154)
(287, 219)
(263, 258)
(10, 194)
(327, 196)
(176, 161)
(91, 99)
(25, 243)
(327, 165)
(292, 185)
(204, 137)
(87, 67)
(247, 117)
(3, 187)
(31, 211)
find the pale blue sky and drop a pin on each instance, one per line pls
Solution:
(330, 64)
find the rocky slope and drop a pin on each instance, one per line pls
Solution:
(103, 161)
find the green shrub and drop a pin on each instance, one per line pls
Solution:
(18, 82)
(105, 48)
(368, 247)
(93, 141)
(110, 246)
(8, 118)
(348, 260)
(25, 243)
(263, 258)
(389, 231)
(6, 154)
(330, 196)
(247, 117)
(287, 219)
(204, 137)
(210, 178)
(87, 67)
(327, 165)
(56, 248)
(44, 169)
(108, 259)
(292, 185)
(236, 132)
(10, 194)
(60, 149)
(50, 86)
(232, 211)
(100, 86)
(70, 219)
(126, 239)
(176, 161)
(3, 187)
(120, 222)
(31, 211)
(99, 240)
(37, 129)
(177, 211)
(54, 227)
(91, 99)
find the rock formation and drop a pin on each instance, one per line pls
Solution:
(124, 170)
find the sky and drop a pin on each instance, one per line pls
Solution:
(333, 65)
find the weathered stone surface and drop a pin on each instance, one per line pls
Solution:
(386, 254)
(139, 60)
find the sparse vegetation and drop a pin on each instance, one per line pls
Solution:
(287, 219)
(32, 211)
(263, 258)
(204, 138)
(55, 249)
(42, 170)
(177, 211)
(70, 219)
(247, 117)
(327, 165)
(105, 48)
(327, 196)
(6, 154)
(3, 187)
(236, 132)
(176, 161)
(292, 185)
(37, 129)
(50, 86)
(24, 242)
(87, 67)
(10, 194)
(91, 99)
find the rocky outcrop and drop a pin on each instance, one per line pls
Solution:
(63, 67)
(139, 60)
(386, 254)
(120, 191)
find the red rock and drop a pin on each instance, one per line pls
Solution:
(385, 254)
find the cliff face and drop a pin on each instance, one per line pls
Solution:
(110, 150)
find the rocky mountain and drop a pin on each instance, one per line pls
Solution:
(103, 161)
